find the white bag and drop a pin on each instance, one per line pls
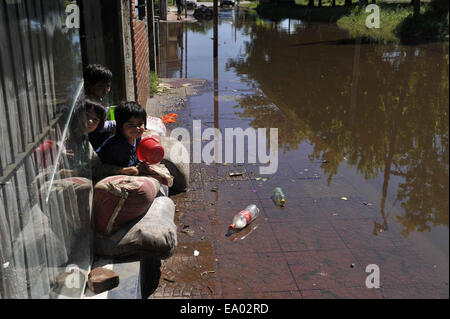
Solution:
(157, 125)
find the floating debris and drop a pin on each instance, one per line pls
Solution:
(232, 174)
(368, 204)
(344, 198)
(278, 197)
(188, 232)
(196, 253)
(208, 272)
(352, 265)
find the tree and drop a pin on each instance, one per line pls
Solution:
(416, 5)
(440, 8)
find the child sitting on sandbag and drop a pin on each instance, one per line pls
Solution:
(121, 148)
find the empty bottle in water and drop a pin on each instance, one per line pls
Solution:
(279, 197)
(244, 217)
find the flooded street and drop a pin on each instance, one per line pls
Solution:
(363, 160)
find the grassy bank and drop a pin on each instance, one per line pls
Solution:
(396, 25)
(251, 5)
(391, 16)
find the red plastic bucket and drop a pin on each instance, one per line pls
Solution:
(150, 151)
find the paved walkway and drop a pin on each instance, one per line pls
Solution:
(316, 247)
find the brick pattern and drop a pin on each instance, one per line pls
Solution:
(318, 246)
(141, 57)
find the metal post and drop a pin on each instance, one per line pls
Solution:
(216, 76)
(185, 50)
(215, 22)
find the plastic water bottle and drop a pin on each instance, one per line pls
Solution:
(279, 197)
(245, 217)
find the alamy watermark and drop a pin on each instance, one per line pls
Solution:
(373, 19)
(215, 151)
(373, 279)
(73, 16)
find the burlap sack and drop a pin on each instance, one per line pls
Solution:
(154, 235)
(176, 160)
(119, 199)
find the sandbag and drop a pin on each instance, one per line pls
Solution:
(176, 160)
(154, 235)
(121, 198)
(157, 125)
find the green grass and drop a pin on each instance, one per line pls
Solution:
(390, 18)
(252, 5)
(154, 82)
(396, 25)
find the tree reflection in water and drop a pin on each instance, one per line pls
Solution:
(398, 125)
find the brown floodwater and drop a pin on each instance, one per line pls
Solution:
(358, 123)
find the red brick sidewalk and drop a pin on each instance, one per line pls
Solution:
(318, 246)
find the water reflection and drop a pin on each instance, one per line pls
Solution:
(382, 109)
(397, 126)
(236, 235)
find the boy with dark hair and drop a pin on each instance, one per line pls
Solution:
(120, 149)
(97, 82)
(95, 116)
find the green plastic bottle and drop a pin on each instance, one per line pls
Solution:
(279, 197)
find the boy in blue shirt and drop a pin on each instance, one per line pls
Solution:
(120, 149)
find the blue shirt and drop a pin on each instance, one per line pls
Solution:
(117, 151)
(99, 136)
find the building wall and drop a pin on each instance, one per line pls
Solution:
(140, 51)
